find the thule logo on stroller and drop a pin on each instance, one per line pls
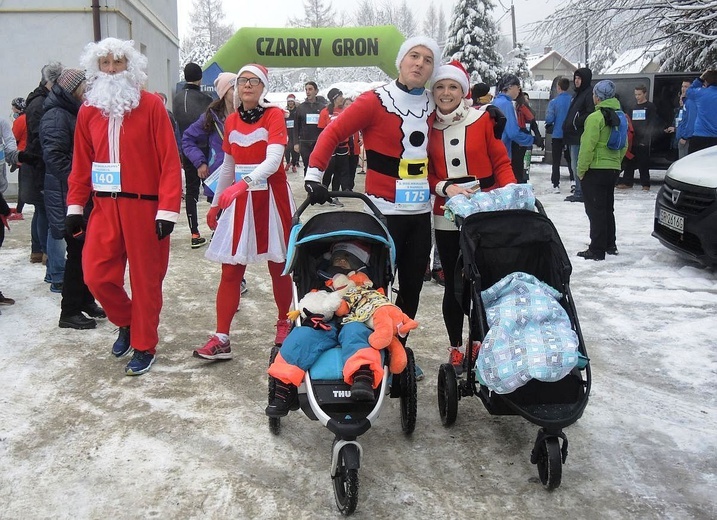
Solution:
(342, 393)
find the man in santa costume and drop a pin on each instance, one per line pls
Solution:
(395, 120)
(125, 156)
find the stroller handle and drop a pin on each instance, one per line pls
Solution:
(344, 194)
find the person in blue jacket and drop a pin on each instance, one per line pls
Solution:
(508, 88)
(704, 94)
(554, 119)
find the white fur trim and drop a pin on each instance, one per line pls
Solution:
(449, 71)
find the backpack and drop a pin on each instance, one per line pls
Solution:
(617, 121)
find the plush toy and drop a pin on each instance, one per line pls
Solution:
(316, 308)
(361, 302)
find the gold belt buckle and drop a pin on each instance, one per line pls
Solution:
(413, 168)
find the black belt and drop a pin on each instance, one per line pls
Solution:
(389, 165)
(124, 194)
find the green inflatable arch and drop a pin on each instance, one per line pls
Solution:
(323, 47)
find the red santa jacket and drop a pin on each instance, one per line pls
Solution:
(462, 147)
(395, 127)
(147, 153)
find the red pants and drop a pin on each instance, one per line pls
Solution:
(121, 231)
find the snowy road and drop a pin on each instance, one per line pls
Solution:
(78, 439)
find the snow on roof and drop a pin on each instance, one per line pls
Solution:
(535, 59)
(633, 61)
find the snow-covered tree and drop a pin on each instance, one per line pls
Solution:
(518, 64)
(686, 29)
(434, 24)
(601, 59)
(208, 23)
(315, 15)
(472, 38)
(197, 50)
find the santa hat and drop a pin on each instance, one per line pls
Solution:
(224, 81)
(291, 97)
(357, 249)
(415, 41)
(455, 71)
(263, 74)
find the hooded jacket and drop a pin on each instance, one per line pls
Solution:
(57, 138)
(580, 108)
(594, 153)
(34, 174)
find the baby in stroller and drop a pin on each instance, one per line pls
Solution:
(323, 329)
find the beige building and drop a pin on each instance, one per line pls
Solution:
(550, 64)
(33, 33)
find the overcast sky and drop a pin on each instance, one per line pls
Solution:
(275, 13)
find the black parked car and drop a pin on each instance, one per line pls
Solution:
(686, 207)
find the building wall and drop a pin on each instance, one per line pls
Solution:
(551, 67)
(35, 33)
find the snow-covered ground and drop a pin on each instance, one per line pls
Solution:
(79, 439)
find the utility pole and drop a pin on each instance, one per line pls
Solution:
(586, 44)
(512, 19)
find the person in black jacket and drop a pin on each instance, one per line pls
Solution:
(307, 122)
(291, 155)
(581, 107)
(32, 169)
(57, 131)
(188, 104)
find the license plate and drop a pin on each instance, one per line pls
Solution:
(672, 221)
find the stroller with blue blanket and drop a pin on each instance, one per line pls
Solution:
(324, 396)
(495, 245)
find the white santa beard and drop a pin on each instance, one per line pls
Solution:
(113, 94)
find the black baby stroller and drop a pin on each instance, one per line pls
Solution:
(324, 396)
(495, 244)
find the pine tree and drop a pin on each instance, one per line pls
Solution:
(518, 64)
(207, 23)
(472, 39)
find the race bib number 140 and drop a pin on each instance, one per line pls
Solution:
(106, 177)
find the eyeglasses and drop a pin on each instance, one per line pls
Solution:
(252, 81)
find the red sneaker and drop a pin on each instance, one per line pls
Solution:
(282, 330)
(214, 349)
(455, 358)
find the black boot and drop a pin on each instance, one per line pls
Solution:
(285, 399)
(362, 387)
(94, 311)
(77, 321)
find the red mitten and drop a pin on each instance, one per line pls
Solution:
(231, 193)
(212, 217)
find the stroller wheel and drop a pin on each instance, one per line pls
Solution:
(550, 463)
(274, 422)
(447, 394)
(409, 394)
(346, 480)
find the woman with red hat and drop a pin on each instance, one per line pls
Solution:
(257, 204)
(464, 156)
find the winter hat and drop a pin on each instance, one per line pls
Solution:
(604, 89)
(291, 97)
(334, 93)
(415, 41)
(480, 90)
(192, 72)
(357, 252)
(70, 79)
(19, 103)
(263, 74)
(223, 83)
(455, 71)
(508, 80)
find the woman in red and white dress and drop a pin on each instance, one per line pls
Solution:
(256, 202)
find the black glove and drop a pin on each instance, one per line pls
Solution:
(75, 225)
(498, 118)
(549, 127)
(164, 228)
(540, 142)
(318, 193)
(28, 158)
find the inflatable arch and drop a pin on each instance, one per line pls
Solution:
(322, 47)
